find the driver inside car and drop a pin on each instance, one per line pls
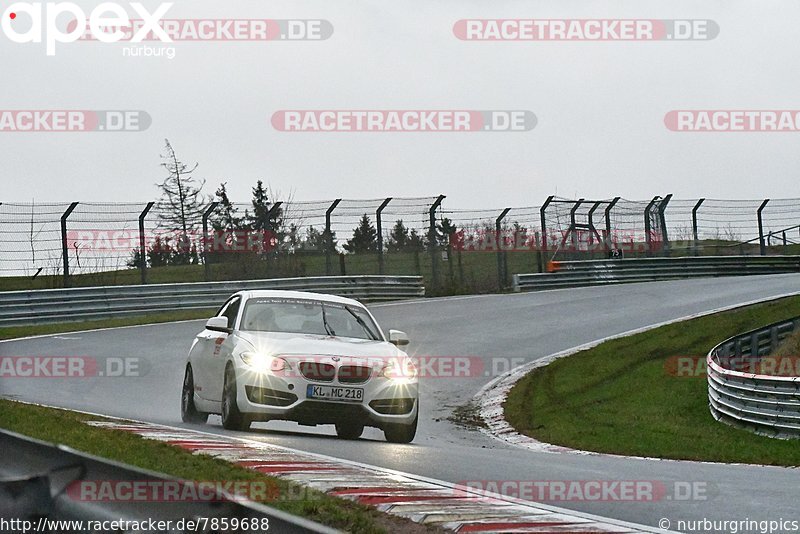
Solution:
(263, 321)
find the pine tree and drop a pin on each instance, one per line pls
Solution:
(445, 229)
(261, 220)
(365, 237)
(398, 237)
(316, 241)
(225, 213)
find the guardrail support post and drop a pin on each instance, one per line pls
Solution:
(64, 244)
(694, 224)
(762, 248)
(206, 238)
(329, 237)
(662, 208)
(608, 222)
(379, 228)
(648, 227)
(542, 256)
(143, 241)
(502, 274)
(432, 245)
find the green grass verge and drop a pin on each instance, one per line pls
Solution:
(620, 397)
(44, 329)
(68, 428)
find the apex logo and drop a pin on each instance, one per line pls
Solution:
(23, 22)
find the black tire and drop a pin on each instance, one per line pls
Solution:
(189, 412)
(349, 430)
(397, 433)
(232, 418)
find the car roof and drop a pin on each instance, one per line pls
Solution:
(261, 293)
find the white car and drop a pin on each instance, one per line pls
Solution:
(305, 357)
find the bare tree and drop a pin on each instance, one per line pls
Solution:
(182, 203)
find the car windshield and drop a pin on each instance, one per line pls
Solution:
(302, 316)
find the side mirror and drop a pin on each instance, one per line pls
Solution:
(398, 338)
(218, 324)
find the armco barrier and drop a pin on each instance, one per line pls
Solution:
(20, 308)
(34, 477)
(590, 273)
(765, 403)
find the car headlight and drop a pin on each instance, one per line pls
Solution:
(263, 363)
(399, 370)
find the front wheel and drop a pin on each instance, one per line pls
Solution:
(349, 430)
(232, 418)
(189, 412)
(398, 433)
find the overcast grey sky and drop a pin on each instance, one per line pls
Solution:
(600, 106)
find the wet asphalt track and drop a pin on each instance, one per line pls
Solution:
(495, 328)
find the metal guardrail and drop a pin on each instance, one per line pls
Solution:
(21, 308)
(590, 273)
(36, 483)
(764, 403)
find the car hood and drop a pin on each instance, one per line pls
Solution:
(302, 345)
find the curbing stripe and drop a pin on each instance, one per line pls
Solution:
(420, 499)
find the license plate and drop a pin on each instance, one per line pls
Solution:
(335, 393)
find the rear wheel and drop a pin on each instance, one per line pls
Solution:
(349, 430)
(232, 418)
(189, 412)
(398, 433)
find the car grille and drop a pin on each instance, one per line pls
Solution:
(319, 372)
(354, 374)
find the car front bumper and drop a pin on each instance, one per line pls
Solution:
(264, 396)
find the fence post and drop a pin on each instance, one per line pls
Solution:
(648, 228)
(64, 245)
(694, 224)
(608, 222)
(273, 211)
(379, 227)
(592, 230)
(432, 245)
(542, 256)
(762, 248)
(142, 241)
(206, 257)
(502, 275)
(662, 208)
(573, 228)
(329, 237)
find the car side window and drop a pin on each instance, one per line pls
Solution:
(231, 310)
